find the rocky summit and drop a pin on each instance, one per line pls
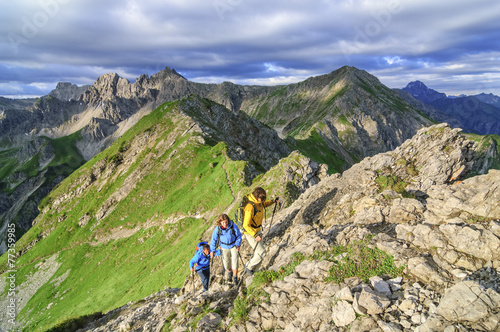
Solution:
(407, 240)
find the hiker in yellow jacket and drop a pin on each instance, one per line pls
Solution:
(254, 214)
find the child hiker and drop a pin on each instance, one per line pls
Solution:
(201, 263)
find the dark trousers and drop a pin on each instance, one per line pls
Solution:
(205, 277)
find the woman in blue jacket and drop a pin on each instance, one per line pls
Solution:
(201, 263)
(227, 236)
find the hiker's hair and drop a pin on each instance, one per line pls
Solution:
(221, 218)
(259, 193)
(206, 246)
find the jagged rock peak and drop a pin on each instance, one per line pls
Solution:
(168, 73)
(67, 91)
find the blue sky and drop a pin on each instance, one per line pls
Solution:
(451, 46)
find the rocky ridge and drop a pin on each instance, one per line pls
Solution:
(68, 91)
(441, 226)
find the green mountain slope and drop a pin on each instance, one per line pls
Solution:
(28, 173)
(349, 111)
(124, 225)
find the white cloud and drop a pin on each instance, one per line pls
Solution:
(235, 39)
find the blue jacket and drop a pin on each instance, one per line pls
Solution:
(227, 238)
(202, 261)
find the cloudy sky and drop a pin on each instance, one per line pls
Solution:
(453, 46)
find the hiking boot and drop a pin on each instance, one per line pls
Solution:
(229, 276)
(235, 280)
(248, 271)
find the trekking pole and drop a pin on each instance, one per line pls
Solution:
(271, 224)
(211, 275)
(253, 253)
(241, 259)
(192, 279)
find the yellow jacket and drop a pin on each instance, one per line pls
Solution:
(252, 223)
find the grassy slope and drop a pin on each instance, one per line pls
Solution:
(127, 269)
(103, 275)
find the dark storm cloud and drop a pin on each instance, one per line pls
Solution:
(452, 44)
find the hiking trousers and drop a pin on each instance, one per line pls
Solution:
(205, 277)
(258, 254)
(230, 258)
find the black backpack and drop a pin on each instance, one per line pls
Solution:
(239, 214)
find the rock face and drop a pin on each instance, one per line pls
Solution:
(68, 91)
(441, 227)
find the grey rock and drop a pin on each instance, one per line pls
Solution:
(209, 322)
(423, 270)
(373, 303)
(380, 286)
(343, 314)
(466, 301)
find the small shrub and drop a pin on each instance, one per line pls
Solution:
(241, 308)
(291, 193)
(168, 322)
(411, 170)
(124, 146)
(242, 304)
(401, 162)
(391, 182)
(116, 159)
(265, 277)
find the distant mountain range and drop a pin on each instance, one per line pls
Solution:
(479, 114)
(336, 119)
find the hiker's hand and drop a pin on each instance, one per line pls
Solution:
(276, 200)
(258, 238)
(192, 269)
(237, 248)
(212, 254)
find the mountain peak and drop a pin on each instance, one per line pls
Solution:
(167, 73)
(68, 91)
(421, 92)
